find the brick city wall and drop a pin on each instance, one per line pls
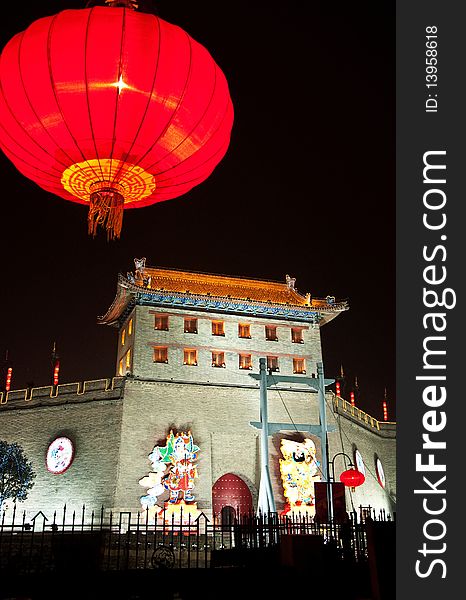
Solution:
(90, 415)
(115, 425)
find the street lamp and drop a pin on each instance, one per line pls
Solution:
(351, 478)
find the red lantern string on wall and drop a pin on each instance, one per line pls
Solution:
(9, 375)
(385, 410)
(55, 364)
(385, 406)
(56, 371)
(112, 108)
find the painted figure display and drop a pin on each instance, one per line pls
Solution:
(173, 469)
(299, 470)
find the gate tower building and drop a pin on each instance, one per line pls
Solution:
(187, 344)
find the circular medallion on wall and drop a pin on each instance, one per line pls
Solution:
(360, 466)
(60, 455)
(380, 472)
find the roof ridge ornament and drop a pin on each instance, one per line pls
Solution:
(140, 264)
(290, 282)
(139, 277)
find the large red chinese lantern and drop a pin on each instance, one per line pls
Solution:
(112, 108)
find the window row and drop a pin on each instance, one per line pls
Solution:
(190, 358)
(218, 328)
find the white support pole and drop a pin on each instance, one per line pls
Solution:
(266, 502)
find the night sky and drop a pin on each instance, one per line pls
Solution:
(307, 188)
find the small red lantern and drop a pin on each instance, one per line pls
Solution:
(112, 108)
(352, 478)
(352, 399)
(338, 389)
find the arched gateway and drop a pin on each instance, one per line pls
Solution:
(230, 493)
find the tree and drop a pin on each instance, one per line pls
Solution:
(16, 473)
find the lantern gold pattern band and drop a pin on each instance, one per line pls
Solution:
(107, 184)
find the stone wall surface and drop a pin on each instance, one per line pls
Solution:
(114, 431)
(93, 425)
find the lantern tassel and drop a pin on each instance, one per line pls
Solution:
(106, 210)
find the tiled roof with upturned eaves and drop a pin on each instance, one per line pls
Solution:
(237, 294)
(221, 286)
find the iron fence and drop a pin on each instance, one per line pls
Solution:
(107, 541)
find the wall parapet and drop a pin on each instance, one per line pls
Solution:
(97, 389)
(345, 408)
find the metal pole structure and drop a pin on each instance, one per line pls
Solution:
(266, 501)
(323, 436)
(332, 477)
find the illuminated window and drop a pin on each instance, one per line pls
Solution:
(123, 336)
(128, 359)
(272, 363)
(299, 366)
(245, 361)
(244, 331)
(218, 359)
(271, 333)
(190, 357)
(297, 335)
(190, 325)
(161, 322)
(120, 367)
(218, 328)
(130, 327)
(161, 354)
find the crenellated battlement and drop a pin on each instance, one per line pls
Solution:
(82, 391)
(345, 409)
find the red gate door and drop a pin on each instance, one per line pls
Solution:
(230, 490)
